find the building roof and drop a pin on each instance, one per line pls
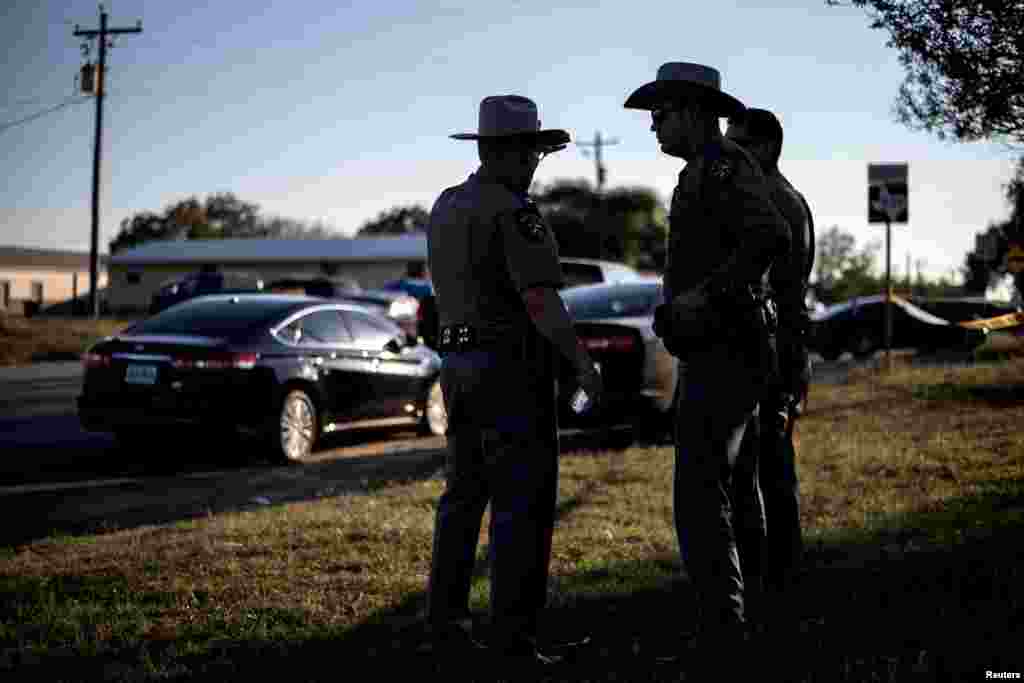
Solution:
(399, 248)
(31, 257)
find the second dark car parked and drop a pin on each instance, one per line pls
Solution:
(289, 368)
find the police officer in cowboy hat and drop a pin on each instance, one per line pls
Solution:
(759, 131)
(496, 272)
(724, 235)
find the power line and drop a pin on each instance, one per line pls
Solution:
(66, 103)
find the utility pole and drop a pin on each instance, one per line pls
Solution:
(101, 34)
(598, 144)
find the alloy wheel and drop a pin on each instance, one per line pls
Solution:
(297, 426)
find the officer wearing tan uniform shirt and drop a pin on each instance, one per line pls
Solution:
(495, 269)
(724, 235)
(759, 131)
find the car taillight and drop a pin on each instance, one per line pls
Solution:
(222, 361)
(615, 343)
(95, 360)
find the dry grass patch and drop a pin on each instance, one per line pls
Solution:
(25, 340)
(911, 482)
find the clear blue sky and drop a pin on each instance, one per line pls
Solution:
(320, 111)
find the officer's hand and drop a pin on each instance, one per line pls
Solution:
(590, 381)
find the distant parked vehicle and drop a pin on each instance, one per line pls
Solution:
(615, 323)
(857, 326)
(287, 368)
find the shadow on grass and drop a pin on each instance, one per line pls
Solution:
(927, 596)
(168, 485)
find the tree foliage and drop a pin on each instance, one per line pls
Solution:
(963, 62)
(627, 224)
(986, 263)
(220, 216)
(400, 220)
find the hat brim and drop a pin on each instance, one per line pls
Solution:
(655, 94)
(542, 138)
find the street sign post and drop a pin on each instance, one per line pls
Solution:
(888, 202)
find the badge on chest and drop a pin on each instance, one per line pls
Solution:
(531, 225)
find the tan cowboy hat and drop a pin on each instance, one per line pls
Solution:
(677, 80)
(513, 116)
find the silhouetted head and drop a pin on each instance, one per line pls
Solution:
(760, 133)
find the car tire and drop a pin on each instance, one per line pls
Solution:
(435, 417)
(831, 354)
(297, 428)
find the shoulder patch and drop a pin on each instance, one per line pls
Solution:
(531, 225)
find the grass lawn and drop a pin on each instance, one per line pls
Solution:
(26, 340)
(913, 507)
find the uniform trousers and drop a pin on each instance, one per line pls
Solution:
(502, 450)
(719, 514)
(777, 469)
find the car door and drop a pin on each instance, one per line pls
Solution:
(344, 373)
(397, 377)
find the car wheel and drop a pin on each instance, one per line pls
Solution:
(435, 416)
(298, 426)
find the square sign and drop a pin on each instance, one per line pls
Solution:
(887, 193)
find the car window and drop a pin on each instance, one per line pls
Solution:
(369, 331)
(323, 327)
(216, 317)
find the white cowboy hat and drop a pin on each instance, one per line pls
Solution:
(513, 116)
(677, 80)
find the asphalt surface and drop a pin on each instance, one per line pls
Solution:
(57, 478)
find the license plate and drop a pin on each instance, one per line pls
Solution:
(140, 374)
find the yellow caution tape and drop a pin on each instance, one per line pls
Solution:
(998, 323)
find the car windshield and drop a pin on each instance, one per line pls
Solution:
(617, 301)
(215, 316)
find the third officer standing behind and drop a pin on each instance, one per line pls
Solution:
(496, 272)
(724, 235)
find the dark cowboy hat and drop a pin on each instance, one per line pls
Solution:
(680, 80)
(513, 117)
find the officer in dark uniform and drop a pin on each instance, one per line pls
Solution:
(760, 133)
(495, 269)
(724, 235)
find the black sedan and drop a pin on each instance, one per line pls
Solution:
(615, 322)
(288, 368)
(858, 326)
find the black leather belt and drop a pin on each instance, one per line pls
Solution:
(458, 338)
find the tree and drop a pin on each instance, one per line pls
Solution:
(963, 61)
(221, 216)
(628, 224)
(400, 220)
(842, 271)
(835, 247)
(987, 261)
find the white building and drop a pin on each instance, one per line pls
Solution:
(136, 274)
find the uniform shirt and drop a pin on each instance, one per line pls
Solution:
(788, 276)
(724, 228)
(485, 245)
